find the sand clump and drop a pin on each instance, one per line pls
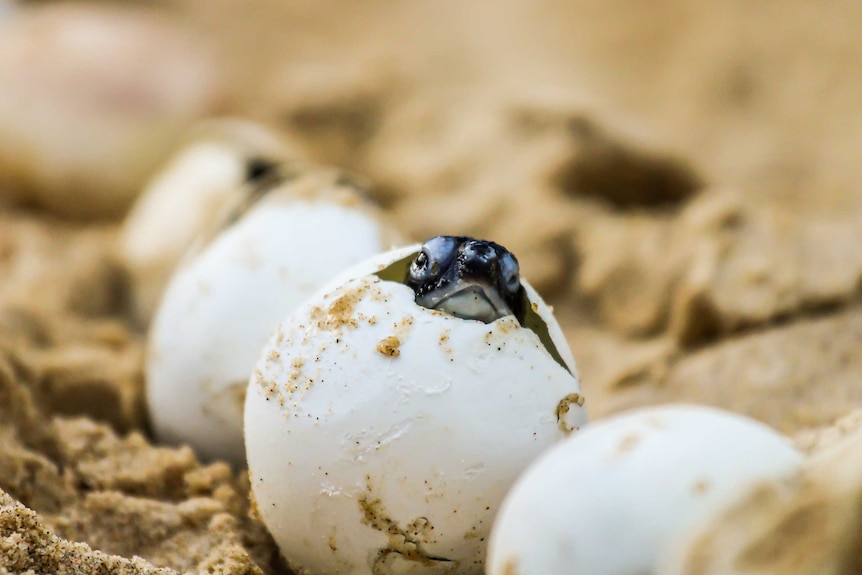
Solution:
(669, 186)
(77, 496)
(81, 482)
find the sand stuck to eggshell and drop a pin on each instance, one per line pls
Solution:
(679, 180)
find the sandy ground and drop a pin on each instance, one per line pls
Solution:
(679, 179)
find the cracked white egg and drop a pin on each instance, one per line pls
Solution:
(286, 237)
(389, 415)
(614, 497)
(210, 170)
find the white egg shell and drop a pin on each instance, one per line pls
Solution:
(381, 436)
(221, 305)
(610, 499)
(187, 196)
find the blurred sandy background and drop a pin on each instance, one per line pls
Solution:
(680, 179)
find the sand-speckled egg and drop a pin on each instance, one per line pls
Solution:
(389, 415)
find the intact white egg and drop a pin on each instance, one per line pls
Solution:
(381, 435)
(612, 498)
(210, 170)
(231, 291)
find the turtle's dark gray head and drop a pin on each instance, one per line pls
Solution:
(468, 278)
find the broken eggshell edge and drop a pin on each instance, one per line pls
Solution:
(206, 173)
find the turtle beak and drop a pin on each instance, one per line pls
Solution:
(474, 301)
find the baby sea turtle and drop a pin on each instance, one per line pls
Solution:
(467, 278)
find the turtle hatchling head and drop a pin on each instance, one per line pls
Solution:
(465, 277)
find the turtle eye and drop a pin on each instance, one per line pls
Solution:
(510, 273)
(421, 269)
(420, 264)
(432, 260)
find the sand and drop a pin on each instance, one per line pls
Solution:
(679, 179)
